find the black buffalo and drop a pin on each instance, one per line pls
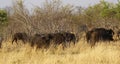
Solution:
(44, 40)
(63, 38)
(20, 36)
(99, 34)
(41, 40)
(57, 38)
(69, 37)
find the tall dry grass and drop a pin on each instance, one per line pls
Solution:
(51, 17)
(81, 53)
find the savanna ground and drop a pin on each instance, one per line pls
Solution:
(81, 53)
(53, 16)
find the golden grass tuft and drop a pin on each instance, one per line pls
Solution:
(81, 53)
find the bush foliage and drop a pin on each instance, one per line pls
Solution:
(3, 16)
(53, 16)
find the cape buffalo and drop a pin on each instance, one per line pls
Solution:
(57, 38)
(69, 37)
(44, 40)
(41, 40)
(63, 38)
(19, 36)
(99, 34)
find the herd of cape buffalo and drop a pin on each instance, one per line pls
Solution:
(45, 40)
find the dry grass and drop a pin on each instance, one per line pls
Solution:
(81, 53)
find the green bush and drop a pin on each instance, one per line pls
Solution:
(3, 16)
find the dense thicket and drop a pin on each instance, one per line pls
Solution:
(53, 16)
